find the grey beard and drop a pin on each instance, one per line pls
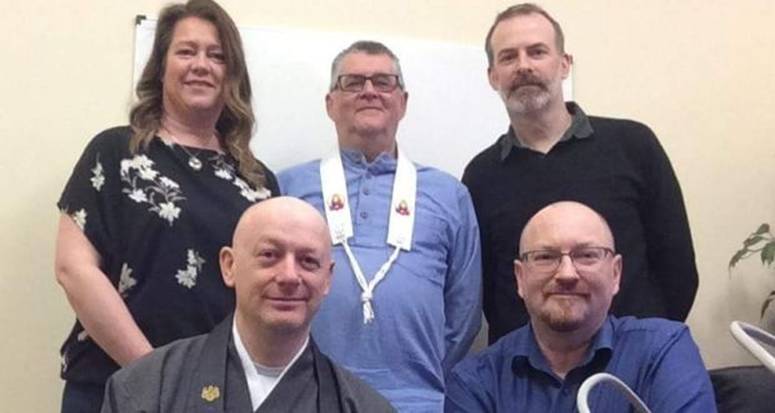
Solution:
(520, 102)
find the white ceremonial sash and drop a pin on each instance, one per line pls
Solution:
(401, 225)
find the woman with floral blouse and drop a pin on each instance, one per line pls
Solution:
(148, 206)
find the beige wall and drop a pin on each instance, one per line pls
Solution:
(699, 72)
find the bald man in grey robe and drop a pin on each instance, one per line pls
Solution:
(262, 358)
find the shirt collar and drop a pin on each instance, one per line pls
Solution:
(580, 128)
(257, 393)
(526, 352)
(355, 159)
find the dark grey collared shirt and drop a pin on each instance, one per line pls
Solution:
(580, 128)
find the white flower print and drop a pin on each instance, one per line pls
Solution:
(82, 336)
(261, 193)
(79, 217)
(194, 259)
(168, 211)
(126, 164)
(137, 162)
(141, 162)
(223, 174)
(143, 184)
(222, 168)
(98, 178)
(125, 281)
(225, 170)
(249, 193)
(147, 174)
(239, 183)
(169, 183)
(97, 181)
(138, 196)
(187, 277)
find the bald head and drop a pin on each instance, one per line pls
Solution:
(566, 218)
(280, 266)
(277, 213)
(573, 275)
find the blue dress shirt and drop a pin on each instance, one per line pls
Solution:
(427, 307)
(656, 358)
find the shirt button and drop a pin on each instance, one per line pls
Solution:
(364, 214)
(366, 191)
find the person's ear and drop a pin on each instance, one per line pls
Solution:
(519, 275)
(226, 259)
(617, 273)
(567, 63)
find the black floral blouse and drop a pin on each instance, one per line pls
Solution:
(158, 225)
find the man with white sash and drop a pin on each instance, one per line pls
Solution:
(405, 303)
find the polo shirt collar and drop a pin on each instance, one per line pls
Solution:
(580, 128)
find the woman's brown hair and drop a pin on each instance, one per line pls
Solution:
(235, 124)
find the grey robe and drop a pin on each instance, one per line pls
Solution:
(204, 374)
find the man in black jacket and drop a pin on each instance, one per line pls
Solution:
(262, 359)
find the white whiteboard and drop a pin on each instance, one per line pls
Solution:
(452, 113)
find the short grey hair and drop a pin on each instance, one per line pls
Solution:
(368, 47)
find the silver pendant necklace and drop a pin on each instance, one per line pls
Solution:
(193, 160)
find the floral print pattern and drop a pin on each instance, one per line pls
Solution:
(79, 217)
(249, 193)
(82, 336)
(98, 177)
(137, 210)
(226, 171)
(187, 277)
(125, 280)
(143, 184)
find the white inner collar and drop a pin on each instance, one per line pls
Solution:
(261, 380)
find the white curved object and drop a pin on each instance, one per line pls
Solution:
(751, 338)
(595, 379)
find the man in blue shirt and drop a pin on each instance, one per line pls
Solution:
(404, 304)
(568, 274)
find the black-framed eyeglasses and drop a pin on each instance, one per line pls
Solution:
(381, 82)
(583, 258)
